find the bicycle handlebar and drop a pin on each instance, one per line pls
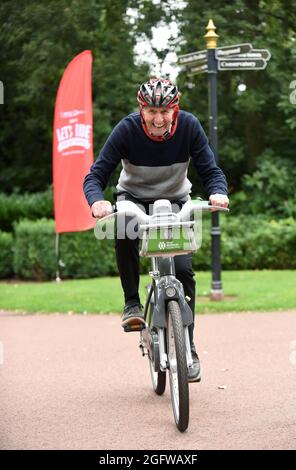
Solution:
(131, 209)
(192, 206)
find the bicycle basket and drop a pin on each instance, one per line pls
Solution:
(168, 241)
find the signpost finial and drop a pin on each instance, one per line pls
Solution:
(211, 37)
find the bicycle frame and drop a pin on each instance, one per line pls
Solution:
(165, 287)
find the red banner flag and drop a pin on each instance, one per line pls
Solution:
(73, 146)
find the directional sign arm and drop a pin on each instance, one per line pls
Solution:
(235, 49)
(193, 57)
(241, 64)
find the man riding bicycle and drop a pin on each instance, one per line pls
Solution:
(154, 146)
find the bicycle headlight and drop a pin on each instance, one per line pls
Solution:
(170, 291)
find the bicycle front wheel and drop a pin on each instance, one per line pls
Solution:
(177, 362)
(158, 379)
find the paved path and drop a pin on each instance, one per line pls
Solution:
(79, 382)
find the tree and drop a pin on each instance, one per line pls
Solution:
(40, 40)
(262, 118)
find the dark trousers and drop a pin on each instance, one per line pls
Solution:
(128, 262)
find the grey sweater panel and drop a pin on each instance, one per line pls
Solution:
(147, 183)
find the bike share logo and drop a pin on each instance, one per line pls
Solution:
(162, 245)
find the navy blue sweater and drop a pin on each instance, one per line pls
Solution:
(155, 170)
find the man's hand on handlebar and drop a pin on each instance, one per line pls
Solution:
(220, 200)
(101, 209)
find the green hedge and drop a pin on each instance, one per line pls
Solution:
(16, 206)
(250, 242)
(82, 255)
(6, 258)
(247, 243)
(34, 256)
(24, 206)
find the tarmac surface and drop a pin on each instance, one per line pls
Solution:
(80, 382)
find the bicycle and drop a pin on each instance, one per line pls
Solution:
(165, 337)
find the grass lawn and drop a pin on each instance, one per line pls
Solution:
(243, 290)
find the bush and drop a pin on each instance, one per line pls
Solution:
(271, 244)
(16, 206)
(247, 242)
(250, 242)
(34, 256)
(6, 259)
(82, 255)
(269, 190)
(85, 256)
(24, 206)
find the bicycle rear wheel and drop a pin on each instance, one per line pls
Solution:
(176, 350)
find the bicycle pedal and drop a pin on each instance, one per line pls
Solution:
(135, 327)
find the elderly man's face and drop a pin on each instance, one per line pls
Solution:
(158, 120)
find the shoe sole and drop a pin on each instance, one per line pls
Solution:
(195, 379)
(133, 321)
(135, 327)
(198, 379)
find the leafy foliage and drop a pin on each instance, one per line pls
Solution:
(24, 206)
(40, 39)
(261, 119)
(256, 127)
(35, 256)
(248, 242)
(251, 242)
(270, 188)
(6, 260)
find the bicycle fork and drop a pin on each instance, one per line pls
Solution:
(163, 358)
(153, 342)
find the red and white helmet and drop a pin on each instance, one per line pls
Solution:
(160, 93)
